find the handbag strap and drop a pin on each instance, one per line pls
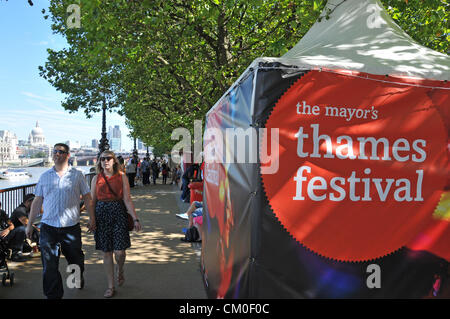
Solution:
(109, 186)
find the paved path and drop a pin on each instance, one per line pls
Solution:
(158, 264)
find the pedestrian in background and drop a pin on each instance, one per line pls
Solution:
(155, 171)
(121, 163)
(145, 167)
(131, 171)
(165, 172)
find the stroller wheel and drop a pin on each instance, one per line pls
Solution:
(11, 279)
(4, 279)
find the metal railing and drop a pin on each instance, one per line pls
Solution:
(12, 197)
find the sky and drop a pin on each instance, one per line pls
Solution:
(25, 97)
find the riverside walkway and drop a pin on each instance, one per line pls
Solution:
(158, 264)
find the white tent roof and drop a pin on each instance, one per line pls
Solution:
(360, 35)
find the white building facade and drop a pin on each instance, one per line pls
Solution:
(8, 145)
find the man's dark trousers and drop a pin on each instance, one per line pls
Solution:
(52, 239)
(16, 238)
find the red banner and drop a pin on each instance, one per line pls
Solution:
(363, 164)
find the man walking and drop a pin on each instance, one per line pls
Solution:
(59, 190)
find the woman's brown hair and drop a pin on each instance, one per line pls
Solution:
(116, 165)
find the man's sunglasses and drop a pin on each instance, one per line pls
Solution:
(106, 158)
(60, 152)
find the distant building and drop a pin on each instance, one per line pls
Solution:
(94, 143)
(115, 144)
(73, 145)
(35, 144)
(36, 137)
(8, 145)
(114, 137)
(140, 145)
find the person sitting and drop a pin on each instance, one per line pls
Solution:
(195, 217)
(194, 210)
(198, 222)
(19, 218)
(12, 237)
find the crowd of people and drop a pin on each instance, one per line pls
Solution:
(147, 171)
(59, 197)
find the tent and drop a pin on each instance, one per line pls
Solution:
(327, 169)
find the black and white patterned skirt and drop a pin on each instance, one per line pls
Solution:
(111, 221)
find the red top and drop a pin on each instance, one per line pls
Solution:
(102, 190)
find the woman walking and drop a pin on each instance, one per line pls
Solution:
(111, 192)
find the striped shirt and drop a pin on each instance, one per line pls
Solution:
(61, 196)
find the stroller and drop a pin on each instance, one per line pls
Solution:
(4, 255)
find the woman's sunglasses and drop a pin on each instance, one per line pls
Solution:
(106, 158)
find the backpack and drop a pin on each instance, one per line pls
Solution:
(191, 235)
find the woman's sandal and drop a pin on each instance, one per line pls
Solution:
(120, 278)
(109, 293)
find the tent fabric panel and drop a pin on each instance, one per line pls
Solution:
(360, 35)
(272, 81)
(227, 188)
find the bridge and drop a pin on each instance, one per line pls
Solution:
(89, 158)
(77, 159)
(26, 162)
(86, 160)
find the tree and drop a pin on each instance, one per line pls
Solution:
(39, 155)
(176, 58)
(82, 72)
(168, 62)
(426, 21)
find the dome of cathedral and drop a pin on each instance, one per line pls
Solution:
(36, 136)
(37, 131)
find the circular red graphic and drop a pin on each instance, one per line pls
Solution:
(362, 164)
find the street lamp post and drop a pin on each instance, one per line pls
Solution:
(104, 144)
(135, 152)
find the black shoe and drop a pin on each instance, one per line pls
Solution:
(27, 248)
(18, 258)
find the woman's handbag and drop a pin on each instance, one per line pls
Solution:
(130, 221)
